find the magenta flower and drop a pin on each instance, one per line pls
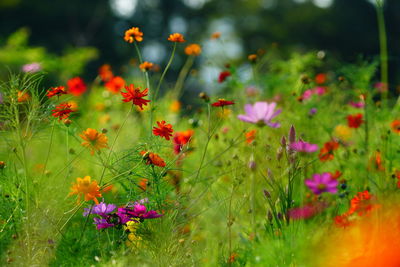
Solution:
(307, 94)
(103, 223)
(138, 211)
(261, 113)
(304, 147)
(319, 90)
(321, 183)
(360, 104)
(101, 209)
(306, 211)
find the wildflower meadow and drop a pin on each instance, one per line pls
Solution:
(282, 159)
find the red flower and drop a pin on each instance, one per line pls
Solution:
(326, 153)
(163, 130)
(250, 136)
(354, 121)
(361, 203)
(62, 111)
(115, 84)
(375, 162)
(181, 139)
(222, 102)
(395, 126)
(153, 158)
(56, 91)
(335, 175)
(223, 75)
(76, 86)
(320, 78)
(133, 94)
(105, 73)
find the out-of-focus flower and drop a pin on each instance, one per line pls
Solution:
(375, 162)
(306, 211)
(23, 96)
(232, 257)
(343, 132)
(326, 153)
(146, 66)
(252, 58)
(105, 73)
(222, 102)
(76, 86)
(101, 209)
(93, 140)
(395, 126)
(320, 78)
(143, 184)
(133, 94)
(321, 183)
(32, 67)
(133, 34)
(398, 178)
(381, 87)
(261, 113)
(216, 35)
(175, 106)
(252, 91)
(87, 188)
(176, 38)
(319, 90)
(360, 104)
(163, 130)
(361, 203)
(2, 165)
(312, 111)
(153, 159)
(250, 136)
(335, 175)
(223, 75)
(355, 121)
(181, 139)
(193, 50)
(304, 147)
(56, 91)
(115, 84)
(62, 111)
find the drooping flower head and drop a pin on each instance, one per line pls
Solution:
(115, 84)
(76, 86)
(181, 139)
(163, 130)
(62, 111)
(261, 113)
(146, 66)
(222, 102)
(321, 183)
(304, 147)
(133, 34)
(56, 91)
(133, 94)
(93, 140)
(90, 190)
(355, 121)
(193, 50)
(153, 159)
(176, 38)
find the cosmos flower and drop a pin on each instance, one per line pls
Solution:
(23, 96)
(105, 73)
(376, 163)
(193, 50)
(133, 34)
(101, 209)
(62, 111)
(76, 86)
(355, 121)
(133, 94)
(343, 132)
(395, 125)
(312, 111)
(223, 75)
(320, 78)
(32, 67)
(56, 91)
(146, 66)
(304, 147)
(163, 130)
(222, 102)
(250, 136)
(90, 190)
(115, 84)
(93, 140)
(153, 159)
(326, 153)
(321, 183)
(181, 139)
(175, 106)
(176, 38)
(306, 211)
(138, 211)
(252, 58)
(261, 113)
(360, 104)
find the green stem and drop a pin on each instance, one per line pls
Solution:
(182, 75)
(165, 71)
(383, 51)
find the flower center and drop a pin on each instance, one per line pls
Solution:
(321, 187)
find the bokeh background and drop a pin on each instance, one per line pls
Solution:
(345, 29)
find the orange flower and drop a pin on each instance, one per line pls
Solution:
(93, 140)
(56, 91)
(252, 58)
(105, 73)
(62, 111)
(181, 139)
(193, 50)
(326, 153)
(335, 175)
(146, 66)
(133, 94)
(163, 130)
(115, 84)
(23, 96)
(232, 257)
(375, 162)
(153, 158)
(133, 34)
(87, 188)
(175, 106)
(355, 121)
(176, 38)
(215, 35)
(250, 136)
(361, 203)
(320, 78)
(143, 184)
(76, 86)
(395, 126)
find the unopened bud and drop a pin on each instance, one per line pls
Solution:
(2, 165)
(205, 97)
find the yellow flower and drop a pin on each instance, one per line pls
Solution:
(87, 188)
(93, 140)
(225, 113)
(176, 37)
(146, 66)
(133, 34)
(343, 132)
(104, 119)
(193, 50)
(175, 106)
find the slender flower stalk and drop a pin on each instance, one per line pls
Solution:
(383, 50)
(165, 71)
(182, 76)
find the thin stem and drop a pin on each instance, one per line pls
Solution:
(182, 75)
(383, 51)
(165, 72)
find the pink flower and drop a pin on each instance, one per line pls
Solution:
(301, 146)
(360, 104)
(32, 67)
(261, 113)
(321, 183)
(319, 90)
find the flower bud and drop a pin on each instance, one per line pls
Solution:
(205, 97)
